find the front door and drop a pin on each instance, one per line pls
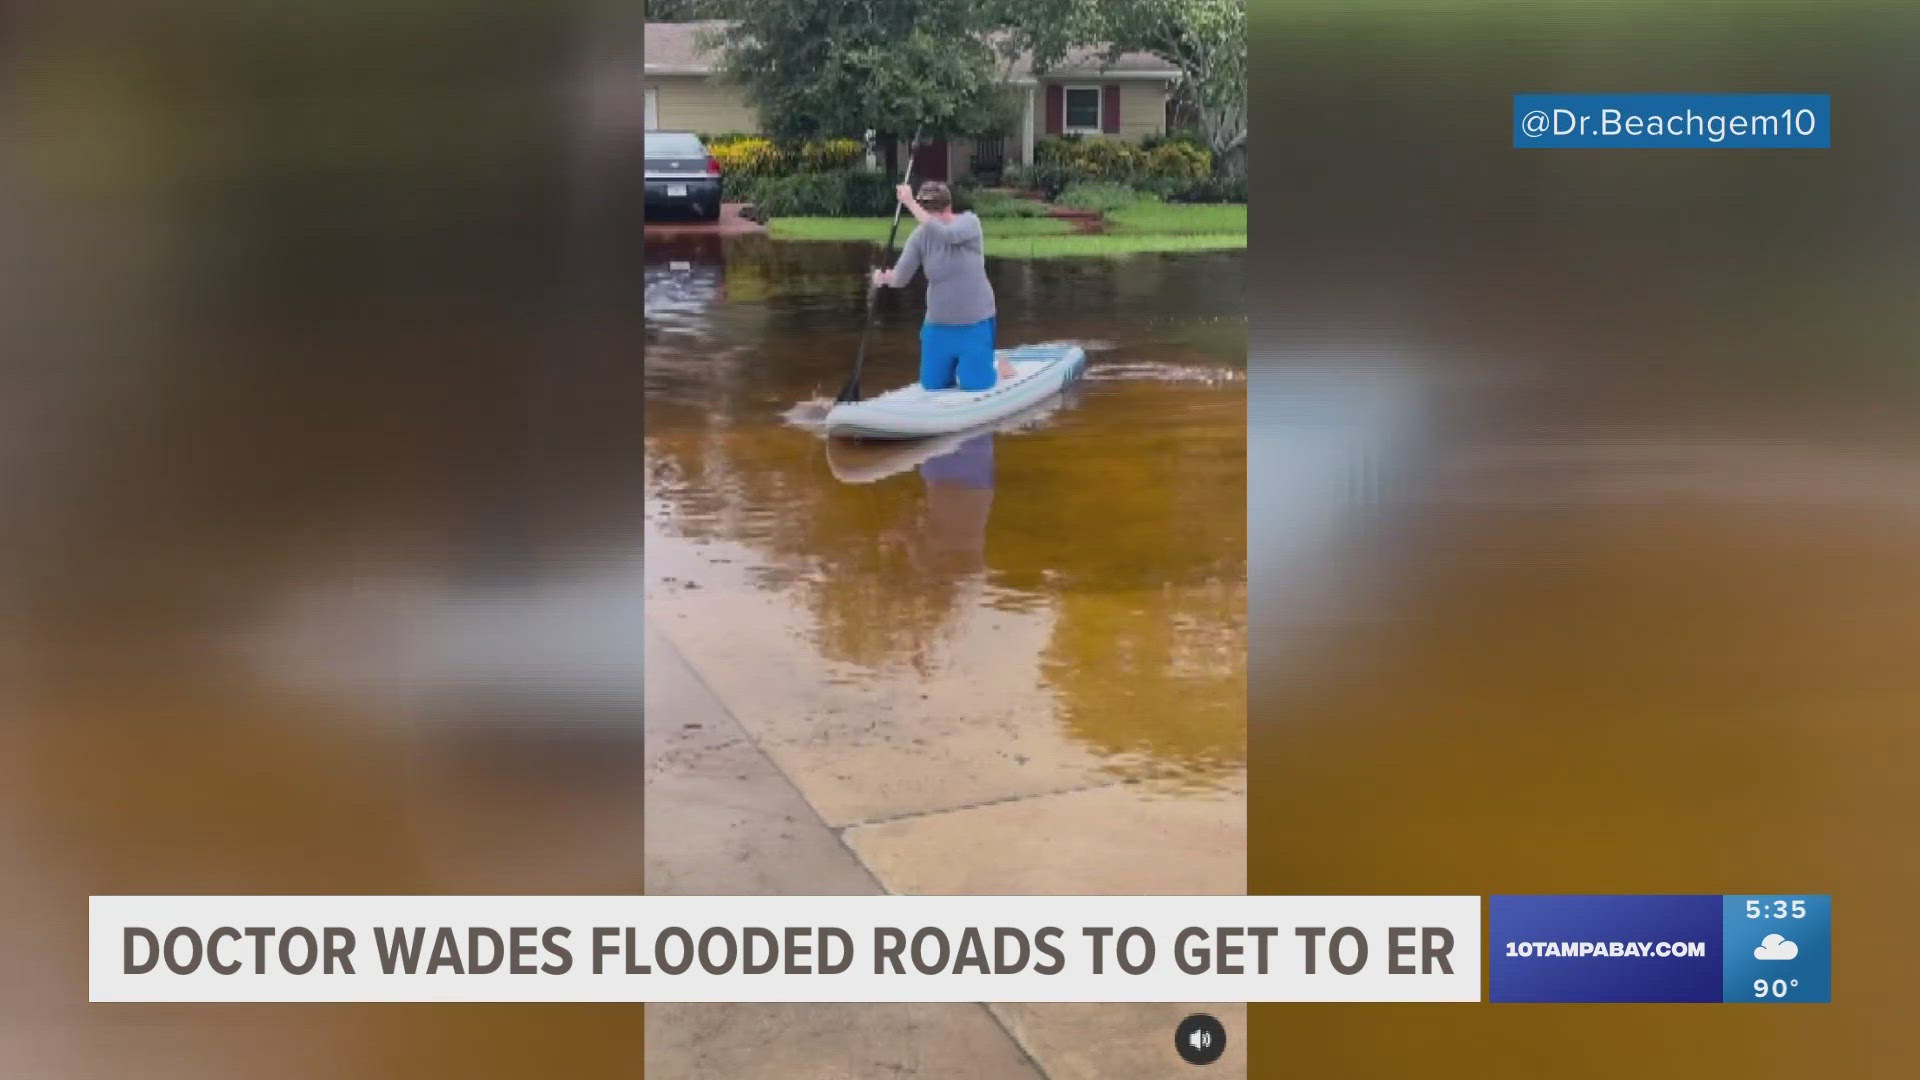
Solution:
(989, 158)
(930, 161)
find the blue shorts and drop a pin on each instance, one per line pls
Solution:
(957, 355)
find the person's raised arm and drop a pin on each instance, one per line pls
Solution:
(946, 232)
(904, 192)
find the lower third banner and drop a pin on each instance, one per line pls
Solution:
(1771, 948)
(785, 948)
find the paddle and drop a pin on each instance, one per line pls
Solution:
(851, 391)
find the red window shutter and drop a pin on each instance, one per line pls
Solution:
(1110, 108)
(1056, 108)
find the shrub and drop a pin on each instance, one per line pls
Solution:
(749, 157)
(1191, 136)
(826, 155)
(817, 194)
(746, 189)
(1101, 196)
(1107, 159)
(1212, 189)
(1056, 149)
(1087, 158)
(1157, 139)
(1178, 161)
(1048, 178)
(1161, 165)
(754, 155)
(869, 192)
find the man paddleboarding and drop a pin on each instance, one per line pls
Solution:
(956, 341)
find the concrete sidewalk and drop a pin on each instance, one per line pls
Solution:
(721, 819)
(769, 775)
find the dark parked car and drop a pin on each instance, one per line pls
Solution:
(681, 174)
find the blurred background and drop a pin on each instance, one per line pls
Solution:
(1584, 499)
(320, 497)
(1584, 492)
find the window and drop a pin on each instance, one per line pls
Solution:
(1083, 109)
(675, 144)
(653, 108)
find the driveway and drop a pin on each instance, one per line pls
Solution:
(729, 224)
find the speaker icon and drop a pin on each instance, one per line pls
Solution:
(1200, 1039)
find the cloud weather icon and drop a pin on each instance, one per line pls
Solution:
(1775, 947)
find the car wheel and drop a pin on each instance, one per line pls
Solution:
(711, 211)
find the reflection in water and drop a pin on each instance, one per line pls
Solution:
(1093, 548)
(959, 499)
(936, 559)
(685, 275)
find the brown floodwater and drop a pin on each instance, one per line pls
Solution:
(1584, 511)
(1086, 563)
(320, 503)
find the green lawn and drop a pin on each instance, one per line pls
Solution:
(998, 204)
(1053, 247)
(875, 228)
(1142, 227)
(1179, 218)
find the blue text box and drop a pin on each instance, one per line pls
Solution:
(1678, 121)
(1605, 948)
(1778, 948)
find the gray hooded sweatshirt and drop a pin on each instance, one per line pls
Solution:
(954, 256)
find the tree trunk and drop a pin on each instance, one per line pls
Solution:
(1233, 163)
(1226, 131)
(892, 155)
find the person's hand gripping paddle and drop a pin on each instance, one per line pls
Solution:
(851, 391)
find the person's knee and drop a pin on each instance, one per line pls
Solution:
(937, 372)
(977, 374)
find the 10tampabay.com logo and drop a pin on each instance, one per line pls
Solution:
(1773, 948)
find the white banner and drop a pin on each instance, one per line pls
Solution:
(785, 948)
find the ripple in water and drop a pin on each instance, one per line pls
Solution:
(1158, 371)
(809, 415)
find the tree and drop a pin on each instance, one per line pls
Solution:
(844, 67)
(684, 10)
(1205, 39)
(817, 68)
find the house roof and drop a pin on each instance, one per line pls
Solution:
(674, 49)
(1081, 62)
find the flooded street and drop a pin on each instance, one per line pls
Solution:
(1007, 662)
(1079, 581)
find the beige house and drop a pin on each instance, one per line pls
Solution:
(1127, 99)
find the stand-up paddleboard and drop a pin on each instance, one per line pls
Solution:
(1040, 371)
(866, 461)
